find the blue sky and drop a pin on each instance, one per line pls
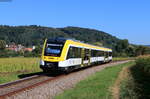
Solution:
(126, 19)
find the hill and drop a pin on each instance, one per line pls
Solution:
(34, 35)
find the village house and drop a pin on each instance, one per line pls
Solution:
(19, 47)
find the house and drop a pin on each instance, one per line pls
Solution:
(28, 49)
(18, 47)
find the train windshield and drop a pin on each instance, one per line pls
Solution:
(53, 49)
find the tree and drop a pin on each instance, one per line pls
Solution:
(122, 45)
(142, 50)
(37, 51)
(2, 44)
(131, 50)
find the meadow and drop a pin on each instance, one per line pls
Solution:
(11, 68)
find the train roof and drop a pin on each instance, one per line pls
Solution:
(77, 42)
(61, 39)
(57, 39)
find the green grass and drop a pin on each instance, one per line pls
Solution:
(11, 68)
(18, 64)
(96, 86)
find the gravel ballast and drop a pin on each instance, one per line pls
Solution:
(50, 89)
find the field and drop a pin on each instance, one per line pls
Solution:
(97, 86)
(11, 68)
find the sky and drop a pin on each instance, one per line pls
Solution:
(125, 19)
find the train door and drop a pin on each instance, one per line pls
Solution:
(106, 55)
(85, 54)
(82, 56)
(89, 57)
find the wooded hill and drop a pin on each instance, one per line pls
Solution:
(35, 35)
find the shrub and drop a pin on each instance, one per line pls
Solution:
(144, 64)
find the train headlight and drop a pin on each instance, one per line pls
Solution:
(41, 62)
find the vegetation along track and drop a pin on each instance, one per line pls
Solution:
(9, 89)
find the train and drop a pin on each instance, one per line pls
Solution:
(63, 54)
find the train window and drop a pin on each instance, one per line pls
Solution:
(94, 53)
(53, 49)
(77, 52)
(106, 54)
(87, 54)
(110, 53)
(69, 53)
(100, 53)
(74, 52)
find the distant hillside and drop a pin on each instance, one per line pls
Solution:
(147, 45)
(90, 35)
(33, 35)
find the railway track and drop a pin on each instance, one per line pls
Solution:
(14, 87)
(9, 89)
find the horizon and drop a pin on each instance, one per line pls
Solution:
(125, 20)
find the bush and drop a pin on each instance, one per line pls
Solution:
(8, 53)
(137, 84)
(144, 64)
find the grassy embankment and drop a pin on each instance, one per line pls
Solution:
(11, 68)
(136, 85)
(97, 86)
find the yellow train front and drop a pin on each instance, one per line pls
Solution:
(60, 54)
